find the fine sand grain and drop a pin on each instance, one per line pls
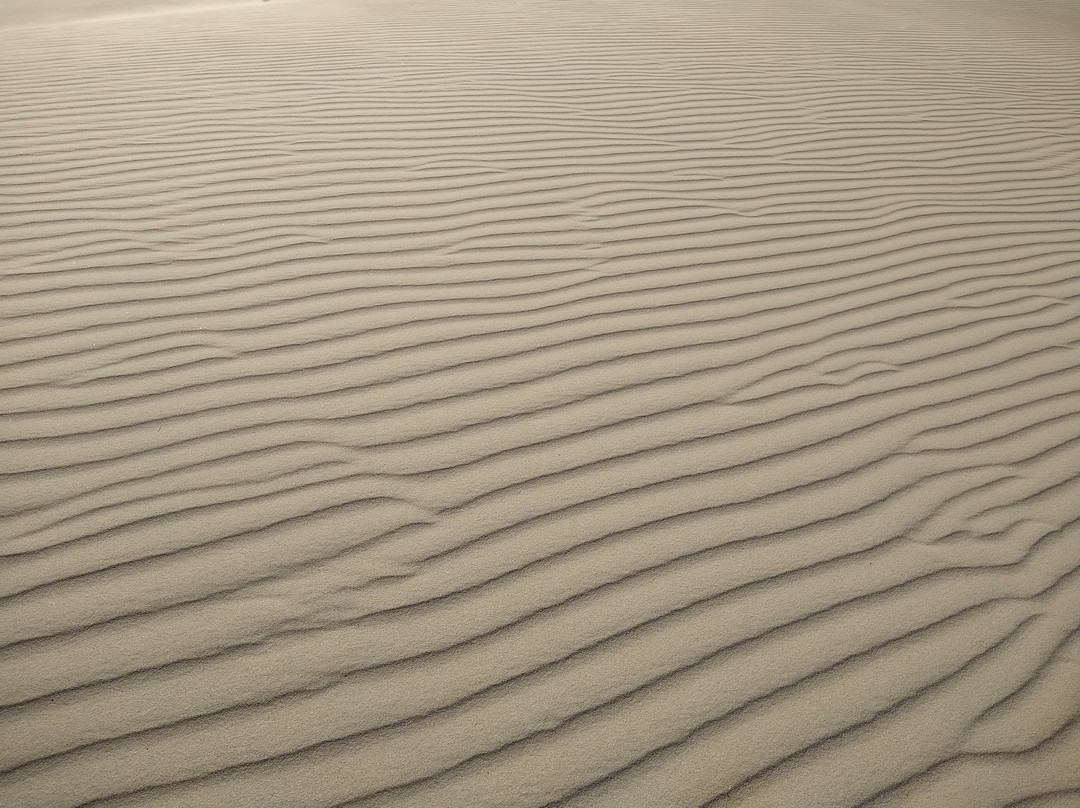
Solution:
(476, 403)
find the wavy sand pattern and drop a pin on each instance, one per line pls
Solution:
(474, 404)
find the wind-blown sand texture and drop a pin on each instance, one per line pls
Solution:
(475, 403)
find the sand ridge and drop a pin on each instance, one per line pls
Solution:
(544, 403)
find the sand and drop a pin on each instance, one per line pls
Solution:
(602, 403)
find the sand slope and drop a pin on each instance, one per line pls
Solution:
(526, 404)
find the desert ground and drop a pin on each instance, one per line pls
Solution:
(520, 403)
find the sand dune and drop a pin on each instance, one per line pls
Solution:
(598, 403)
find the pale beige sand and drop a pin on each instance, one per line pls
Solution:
(474, 403)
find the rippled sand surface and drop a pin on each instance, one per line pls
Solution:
(463, 404)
